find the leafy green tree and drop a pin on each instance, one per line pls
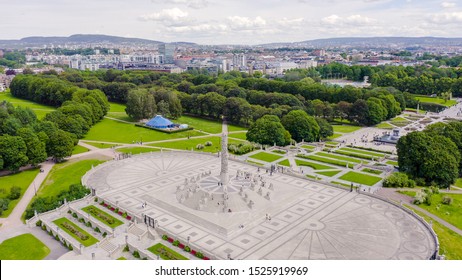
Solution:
(325, 128)
(13, 151)
(163, 108)
(268, 130)
(36, 151)
(301, 126)
(60, 144)
(140, 105)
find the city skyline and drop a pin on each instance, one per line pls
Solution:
(232, 22)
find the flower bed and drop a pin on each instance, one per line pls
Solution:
(116, 210)
(76, 232)
(180, 245)
(102, 216)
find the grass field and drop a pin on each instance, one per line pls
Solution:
(329, 173)
(284, 163)
(79, 149)
(102, 216)
(137, 150)
(451, 213)
(315, 166)
(264, 156)
(342, 158)
(359, 151)
(254, 162)
(22, 180)
(191, 143)
(360, 178)
(114, 131)
(165, 253)
(62, 175)
(200, 124)
(88, 242)
(232, 127)
(345, 128)
(392, 162)
(458, 183)
(309, 147)
(239, 135)
(450, 241)
(426, 99)
(40, 110)
(331, 161)
(23, 247)
(372, 171)
(335, 135)
(385, 125)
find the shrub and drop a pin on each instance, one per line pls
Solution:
(199, 255)
(398, 180)
(97, 230)
(38, 223)
(164, 237)
(200, 146)
(74, 215)
(187, 249)
(15, 193)
(57, 237)
(88, 224)
(104, 234)
(44, 227)
(69, 212)
(136, 254)
(145, 259)
(446, 200)
(70, 247)
(176, 243)
(419, 198)
(82, 220)
(4, 204)
(96, 199)
(208, 144)
(126, 248)
(241, 149)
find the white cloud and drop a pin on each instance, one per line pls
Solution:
(167, 16)
(448, 5)
(242, 23)
(195, 4)
(446, 18)
(350, 20)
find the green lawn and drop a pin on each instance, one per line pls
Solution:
(360, 178)
(254, 162)
(114, 131)
(392, 162)
(315, 166)
(345, 128)
(165, 253)
(200, 124)
(335, 135)
(309, 147)
(330, 161)
(264, 156)
(359, 151)
(355, 155)
(415, 110)
(62, 175)
(399, 119)
(232, 127)
(372, 171)
(102, 216)
(122, 259)
(329, 173)
(88, 242)
(40, 110)
(341, 184)
(239, 135)
(458, 183)
(451, 213)
(284, 163)
(79, 149)
(450, 241)
(342, 158)
(192, 143)
(117, 107)
(385, 125)
(137, 150)
(23, 247)
(426, 99)
(22, 180)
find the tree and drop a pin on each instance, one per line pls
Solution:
(268, 130)
(359, 112)
(434, 158)
(163, 108)
(60, 144)
(13, 151)
(325, 128)
(377, 112)
(36, 151)
(140, 105)
(301, 126)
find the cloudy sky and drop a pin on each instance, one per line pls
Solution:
(231, 21)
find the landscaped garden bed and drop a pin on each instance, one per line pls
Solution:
(102, 216)
(76, 232)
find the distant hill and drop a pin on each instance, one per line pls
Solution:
(79, 39)
(373, 42)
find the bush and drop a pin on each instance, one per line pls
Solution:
(69, 212)
(104, 234)
(57, 237)
(199, 147)
(15, 193)
(164, 237)
(70, 247)
(44, 227)
(398, 180)
(126, 248)
(96, 199)
(38, 223)
(136, 254)
(240, 149)
(208, 144)
(88, 224)
(4, 203)
(199, 255)
(446, 200)
(82, 220)
(74, 215)
(176, 243)
(187, 249)
(97, 230)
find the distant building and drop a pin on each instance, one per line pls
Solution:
(168, 52)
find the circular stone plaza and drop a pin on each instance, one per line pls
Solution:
(240, 211)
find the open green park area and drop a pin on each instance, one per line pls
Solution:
(39, 110)
(435, 100)
(118, 132)
(329, 173)
(360, 178)
(22, 180)
(239, 135)
(102, 216)
(335, 135)
(62, 175)
(23, 247)
(315, 166)
(345, 128)
(188, 144)
(76, 232)
(165, 253)
(284, 163)
(137, 150)
(385, 125)
(264, 156)
(79, 149)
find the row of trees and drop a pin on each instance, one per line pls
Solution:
(433, 155)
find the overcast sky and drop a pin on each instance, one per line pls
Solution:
(231, 21)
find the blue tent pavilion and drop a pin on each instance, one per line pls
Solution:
(160, 122)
